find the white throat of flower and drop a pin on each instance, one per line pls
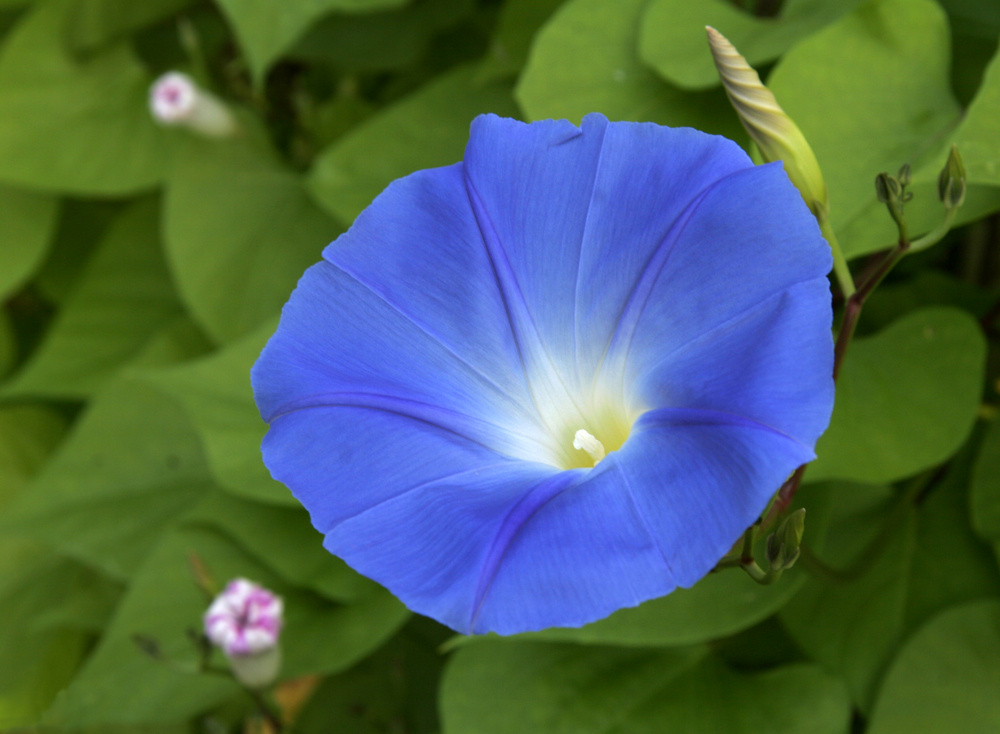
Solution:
(585, 441)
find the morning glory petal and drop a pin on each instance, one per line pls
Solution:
(339, 340)
(420, 241)
(342, 461)
(699, 279)
(701, 456)
(410, 543)
(770, 364)
(560, 198)
(561, 517)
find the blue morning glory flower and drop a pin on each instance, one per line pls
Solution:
(558, 378)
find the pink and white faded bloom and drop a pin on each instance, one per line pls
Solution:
(175, 99)
(245, 619)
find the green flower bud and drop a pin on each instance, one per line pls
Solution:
(887, 188)
(771, 129)
(783, 545)
(951, 181)
(904, 175)
(889, 191)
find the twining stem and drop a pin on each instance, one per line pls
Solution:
(852, 309)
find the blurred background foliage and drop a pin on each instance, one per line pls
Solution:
(142, 268)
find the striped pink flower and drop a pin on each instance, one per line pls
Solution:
(245, 619)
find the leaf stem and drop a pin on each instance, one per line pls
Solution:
(840, 268)
(266, 711)
(936, 234)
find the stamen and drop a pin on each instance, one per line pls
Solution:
(585, 441)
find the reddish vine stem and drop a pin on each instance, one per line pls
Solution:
(852, 309)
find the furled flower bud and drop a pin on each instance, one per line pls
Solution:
(951, 181)
(245, 622)
(174, 99)
(783, 546)
(777, 137)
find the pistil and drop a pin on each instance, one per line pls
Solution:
(585, 441)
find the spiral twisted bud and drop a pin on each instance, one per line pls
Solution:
(774, 132)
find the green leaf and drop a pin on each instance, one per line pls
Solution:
(951, 565)
(517, 25)
(853, 625)
(39, 651)
(499, 687)
(427, 129)
(389, 39)
(266, 29)
(27, 224)
(82, 227)
(8, 344)
(131, 464)
(123, 298)
(163, 602)
(976, 136)
(394, 689)
(673, 39)
(216, 395)
(946, 677)
(718, 605)
(95, 23)
(985, 486)
(981, 154)
(585, 60)
(892, 301)
(28, 433)
(239, 231)
(74, 126)
(282, 539)
(879, 75)
(906, 400)
(180, 340)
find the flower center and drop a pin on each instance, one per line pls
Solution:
(585, 441)
(607, 429)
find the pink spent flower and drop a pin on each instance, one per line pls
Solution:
(245, 619)
(175, 99)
